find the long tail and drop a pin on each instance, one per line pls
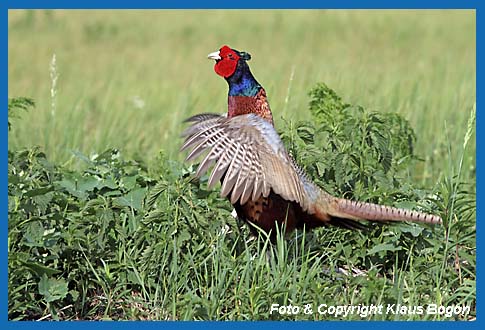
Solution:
(354, 210)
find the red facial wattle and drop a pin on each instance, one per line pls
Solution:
(226, 66)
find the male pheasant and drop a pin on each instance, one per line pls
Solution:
(263, 182)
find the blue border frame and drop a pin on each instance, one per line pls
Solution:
(204, 4)
(5, 5)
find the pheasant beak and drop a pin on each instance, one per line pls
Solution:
(214, 56)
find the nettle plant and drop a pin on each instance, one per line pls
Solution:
(351, 151)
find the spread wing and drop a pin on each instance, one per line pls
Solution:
(248, 155)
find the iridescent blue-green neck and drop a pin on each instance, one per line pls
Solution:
(242, 82)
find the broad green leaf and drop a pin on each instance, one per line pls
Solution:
(383, 247)
(39, 269)
(39, 191)
(52, 289)
(133, 199)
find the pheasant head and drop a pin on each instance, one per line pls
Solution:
(245, 95)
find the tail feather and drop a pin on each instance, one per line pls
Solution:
(367, 211)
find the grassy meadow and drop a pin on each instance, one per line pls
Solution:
(126, 79)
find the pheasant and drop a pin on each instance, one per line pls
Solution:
(261, 179)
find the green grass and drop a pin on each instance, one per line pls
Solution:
(100, 234)
(420, 64)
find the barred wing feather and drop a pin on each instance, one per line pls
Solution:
(247, 154)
